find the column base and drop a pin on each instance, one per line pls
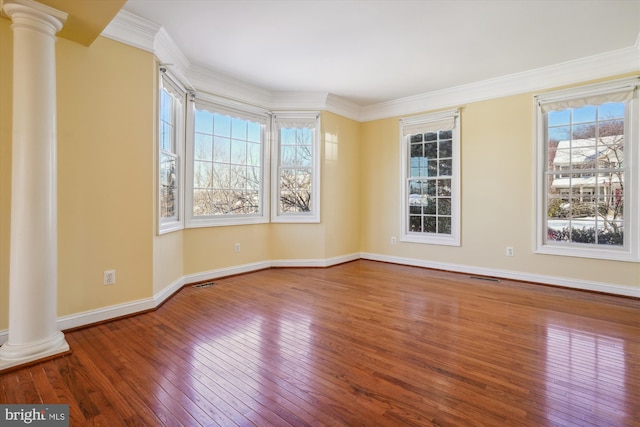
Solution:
(12, 355)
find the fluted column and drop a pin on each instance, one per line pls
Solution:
(33, 275)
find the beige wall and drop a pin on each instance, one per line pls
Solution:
(497, 188)
(105, 180)
(106, 187)
(341, 186)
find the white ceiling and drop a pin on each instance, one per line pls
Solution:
(369, 51)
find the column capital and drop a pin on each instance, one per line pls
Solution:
(34, 15)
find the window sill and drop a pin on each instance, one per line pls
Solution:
(611, 254)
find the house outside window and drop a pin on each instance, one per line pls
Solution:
(170, 145)
(296, 171)
(588, 171)
(430, 152)
(227, 162)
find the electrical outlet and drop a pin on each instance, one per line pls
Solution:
(393, 240)
(510, 251)
(237, 247)
(110, 277)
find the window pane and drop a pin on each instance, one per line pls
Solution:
(166, 137)
(446, 149)
(431, 150)
(239, 129)
(444, 225)
(168, 186)
(446, 167)
(415, 223)
(222, 149)
(254, 154)
(222, 125)
(611, 110)
(444, 206)
(445, 134)
(557, 118)
(203, 122)
(584, 114)
(254, 132)
(202, 174)
(238, 151)
(203, 147)
(444, 187)
(202, 202)
(430, 224)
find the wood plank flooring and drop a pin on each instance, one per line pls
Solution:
(358, 344)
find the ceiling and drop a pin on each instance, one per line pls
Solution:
(369, 51)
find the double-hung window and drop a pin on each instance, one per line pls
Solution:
(430, 153)
(227, 161)
(170, 144)
(587, 171)
(295, 177)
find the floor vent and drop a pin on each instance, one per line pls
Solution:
(486, 279)
(204, 285)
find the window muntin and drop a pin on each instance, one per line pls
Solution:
(170, 142)
(585, 203)
(296, 173)
(588, 148)
(227, 158)
(431, 187)
(429, 182)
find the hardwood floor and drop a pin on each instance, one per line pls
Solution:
(359, 344)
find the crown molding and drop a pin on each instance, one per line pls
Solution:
(135, 31)
(594, 67)
(298, 101)
(343, 107)
(225, 86)
(170, 55)
(132, 30)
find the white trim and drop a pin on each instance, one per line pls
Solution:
(226, 271)
(111, 312)
(179, 106)
(594, 67)
(302, 217)
(165, 293)
(326, 262)
(630, 252)
(132, 30)
(454, 238)
(105, 313)
(508, 274)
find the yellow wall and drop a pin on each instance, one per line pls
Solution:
(497, 188)
(341, 186)
(105, 179)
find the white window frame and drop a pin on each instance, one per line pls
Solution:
(167, 82)
(288, 119)
(595, 94)
(244, 111)
(443, 120)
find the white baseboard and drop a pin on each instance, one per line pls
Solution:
(114, 311)
(508, 274)
(327, 262)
